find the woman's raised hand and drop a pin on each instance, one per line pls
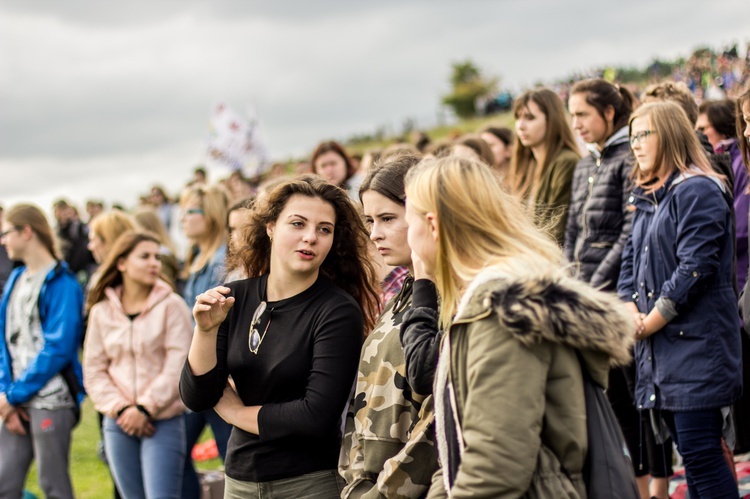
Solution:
(211, 308)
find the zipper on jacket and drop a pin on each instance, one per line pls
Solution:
(579, 242)
(132, 352)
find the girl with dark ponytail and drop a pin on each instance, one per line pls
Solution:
(598, 227)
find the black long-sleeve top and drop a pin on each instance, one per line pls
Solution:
(420, 337)
(302, 376)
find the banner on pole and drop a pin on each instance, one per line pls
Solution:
(237, 142)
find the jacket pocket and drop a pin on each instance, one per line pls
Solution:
(549, 480)
(685, 352)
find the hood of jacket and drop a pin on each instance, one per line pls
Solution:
(554, 308)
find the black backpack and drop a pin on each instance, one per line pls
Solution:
(608, 470)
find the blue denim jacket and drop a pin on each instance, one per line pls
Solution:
(206, 278)
(679, 258)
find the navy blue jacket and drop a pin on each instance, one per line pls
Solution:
(60, 309)
(681, 250)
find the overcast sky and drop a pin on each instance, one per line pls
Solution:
(101, 99)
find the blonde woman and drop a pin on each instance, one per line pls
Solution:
(677, 279)
(510, 409)
(104, 231)
(204, 214)
(544, 157)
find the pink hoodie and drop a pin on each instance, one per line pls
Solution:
(137, 362)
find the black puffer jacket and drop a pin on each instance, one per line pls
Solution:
(598, 220)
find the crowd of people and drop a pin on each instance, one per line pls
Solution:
(416, 322)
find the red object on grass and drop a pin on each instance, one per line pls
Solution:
(205, 451)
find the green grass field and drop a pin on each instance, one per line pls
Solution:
(91, 479)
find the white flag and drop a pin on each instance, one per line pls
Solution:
(237, 142)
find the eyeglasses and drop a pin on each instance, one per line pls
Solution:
(254, 337)
(195, 211)
(5, 233)
(640, 137)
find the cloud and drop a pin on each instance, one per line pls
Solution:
(84, 81)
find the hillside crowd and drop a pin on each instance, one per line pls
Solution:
(420, 321)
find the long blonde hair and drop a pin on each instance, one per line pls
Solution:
(677, 145)
(480, 224)
(214, 202)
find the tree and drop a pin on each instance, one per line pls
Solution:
(468, 85)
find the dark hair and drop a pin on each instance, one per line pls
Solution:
(333, 146)
(505, 135)
(743, 99)
(721, 114)
(21, 215)
(478, 145)
(601, 94)
(387, 176)
(420, 140)
(109, 275)
(200, 170)
(347, 264)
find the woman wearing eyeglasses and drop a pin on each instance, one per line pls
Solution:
(676, 277)
(289, 336)
(204, 212)
(139, 333)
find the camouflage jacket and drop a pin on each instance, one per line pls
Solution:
(388, 449)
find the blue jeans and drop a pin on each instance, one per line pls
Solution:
(194, 424)
(698, 438)
(147, 467)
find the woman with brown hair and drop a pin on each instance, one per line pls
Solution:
(148, 220)
(677, 279)
(330, 161)
(138, 336)
(544, 157)
(289, 336)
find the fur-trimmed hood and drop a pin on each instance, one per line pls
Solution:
(555, 308)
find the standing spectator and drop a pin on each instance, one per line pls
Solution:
(165, 209)
(74, 236)
(598, 227)
(41, 385)
(500, 140)
(331, 162)
(544, 157)
(510, 414)
(717, 120)
(289, 336)
(204, 215)
(93, 209)
(677, 279)
(742, 408)
(138, 336)
(388, 446)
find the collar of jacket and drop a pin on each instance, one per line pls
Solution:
(726, 145)
(620, 136)
(159, 292)
(554, 308)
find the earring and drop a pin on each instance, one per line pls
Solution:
(270, 238)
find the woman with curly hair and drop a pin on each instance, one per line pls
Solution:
(289, 336)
